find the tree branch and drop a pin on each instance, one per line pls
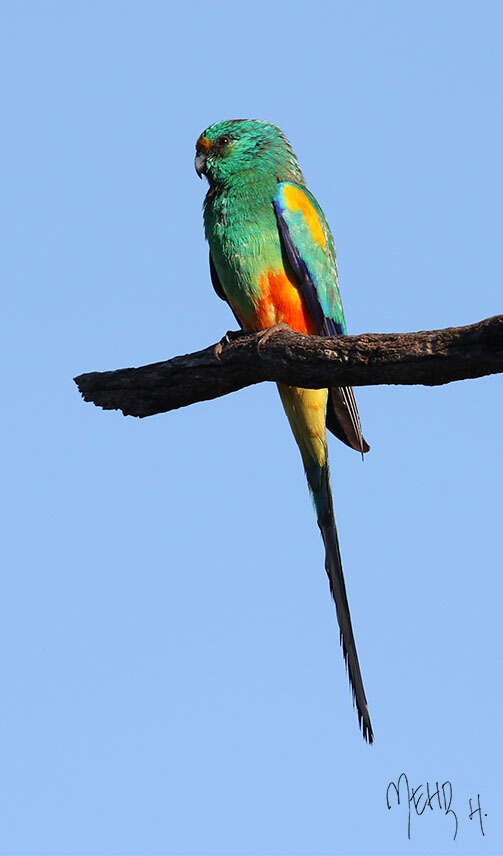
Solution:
(430, 358)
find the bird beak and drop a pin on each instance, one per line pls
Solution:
(200, 164)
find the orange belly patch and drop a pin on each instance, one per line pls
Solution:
(281, 302)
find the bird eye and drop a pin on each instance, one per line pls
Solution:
(223, 140)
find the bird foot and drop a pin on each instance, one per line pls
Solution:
(226, 340)
(264, 335)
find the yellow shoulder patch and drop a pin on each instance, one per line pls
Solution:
(296, 200)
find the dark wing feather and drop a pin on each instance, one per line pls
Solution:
(341, 407)
(343, 419)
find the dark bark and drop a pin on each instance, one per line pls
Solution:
(429, 358)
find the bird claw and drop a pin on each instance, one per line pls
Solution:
(226, 340)
(264, 335)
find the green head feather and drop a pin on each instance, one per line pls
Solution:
(243, 149)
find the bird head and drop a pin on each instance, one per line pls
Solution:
(245, 147)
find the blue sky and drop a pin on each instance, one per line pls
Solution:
(171, 673)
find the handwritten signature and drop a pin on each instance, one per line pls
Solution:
(425, 795)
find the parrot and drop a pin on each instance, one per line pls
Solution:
(272, 259)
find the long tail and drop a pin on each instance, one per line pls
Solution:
(306, 410)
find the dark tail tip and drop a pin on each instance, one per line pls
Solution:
(366, 727)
